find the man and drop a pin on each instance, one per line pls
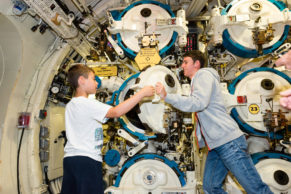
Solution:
(216, 129)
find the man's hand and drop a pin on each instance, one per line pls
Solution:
(285, 99)
(285, 60)
(160, 90)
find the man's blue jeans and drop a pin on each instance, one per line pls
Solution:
(232, 157)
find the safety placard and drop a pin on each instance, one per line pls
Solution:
(147, 57)
(105, 71)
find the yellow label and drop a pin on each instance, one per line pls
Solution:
(147, 57)
(254, 108)
(105, 71)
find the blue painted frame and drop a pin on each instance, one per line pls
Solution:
(172, 164)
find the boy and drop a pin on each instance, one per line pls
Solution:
(83, 118)
(216, 129)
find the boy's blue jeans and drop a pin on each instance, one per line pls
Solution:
(82, 175)
(232, 157)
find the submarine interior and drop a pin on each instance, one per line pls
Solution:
(130, 44)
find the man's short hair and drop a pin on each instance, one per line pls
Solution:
(196, 55)
(75, 72)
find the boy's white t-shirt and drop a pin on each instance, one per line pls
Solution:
(83, 120)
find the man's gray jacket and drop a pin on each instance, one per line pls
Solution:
(217, 127)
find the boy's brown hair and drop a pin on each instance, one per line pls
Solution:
(75, 72)
(196, 55)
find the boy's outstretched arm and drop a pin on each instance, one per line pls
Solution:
(128, 104)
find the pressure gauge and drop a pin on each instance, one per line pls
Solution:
(55, 89)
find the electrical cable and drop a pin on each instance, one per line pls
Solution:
(18, 154)
(47, 179)
(3, 63)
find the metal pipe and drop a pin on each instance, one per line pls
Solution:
(195, 8)
(77, 4)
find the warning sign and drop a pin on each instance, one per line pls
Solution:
(147, 57)
(254, 108)
(105, 71)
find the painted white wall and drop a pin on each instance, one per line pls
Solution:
(31, 173)
(10, 59)
(24, 78)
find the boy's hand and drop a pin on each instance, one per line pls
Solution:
(285, 100)
(160, 90)
(148, 91)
